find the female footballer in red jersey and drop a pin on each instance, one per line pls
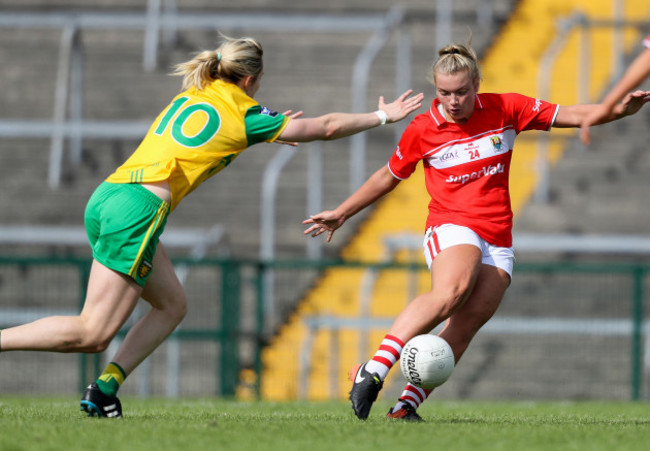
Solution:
(202, 130)
(465, 142)
(638, 71)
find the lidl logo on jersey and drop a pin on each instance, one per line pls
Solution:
(268, 112)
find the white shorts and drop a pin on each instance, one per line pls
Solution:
(437, 239)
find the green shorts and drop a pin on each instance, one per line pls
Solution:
(124, 223)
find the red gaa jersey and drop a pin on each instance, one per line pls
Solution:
(467, 166)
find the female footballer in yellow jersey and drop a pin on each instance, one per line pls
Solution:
(200, 132)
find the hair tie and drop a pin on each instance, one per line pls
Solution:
(218, 56)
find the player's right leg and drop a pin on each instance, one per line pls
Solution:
(124, 223)
(168, 302)
(108, 292)
(97, 404)
(365, 388)
(460, 329)
(453, 273)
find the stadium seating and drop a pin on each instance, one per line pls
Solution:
(511, 64)
(309, 71)
(597, 190)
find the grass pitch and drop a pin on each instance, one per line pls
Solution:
(56, 424)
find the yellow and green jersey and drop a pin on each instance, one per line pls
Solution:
(197, 135)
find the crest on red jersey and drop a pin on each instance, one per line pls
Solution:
(496, 142)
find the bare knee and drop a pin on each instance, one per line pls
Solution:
(468, 321)
(88, 338)
(450, 298)
(96, 346)
(468, 325)
(97, 339)
(174, 306)
(179, 307)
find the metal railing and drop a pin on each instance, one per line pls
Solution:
(226, 311)
(68, 91)
(565, 27)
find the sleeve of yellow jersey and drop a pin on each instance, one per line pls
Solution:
(263, 124)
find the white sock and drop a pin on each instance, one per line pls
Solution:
(412, 395)
(386, 356)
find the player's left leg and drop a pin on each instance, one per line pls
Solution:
(461, 327)
(110, 299)
(404, 409)
(453, 275)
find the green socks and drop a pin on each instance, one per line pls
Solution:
(110, 380)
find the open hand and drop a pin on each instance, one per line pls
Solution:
(630, 104)
(402, 106)
(634, 101)
(325, 221)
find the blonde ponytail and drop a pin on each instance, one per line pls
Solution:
(233, 60)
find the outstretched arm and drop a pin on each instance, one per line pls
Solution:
(339, 125)
(574, 115)
(638, 71)
(291, 115)
(379, 184)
